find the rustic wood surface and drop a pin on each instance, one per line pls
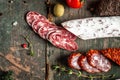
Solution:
(38, 67)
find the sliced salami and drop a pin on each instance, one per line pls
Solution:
(37, 24)
(60, 41)
(59, 37)
(67, 34)
(73, 61)
(45, 29)
(49, 33)
(83, 63)
(31, 16)
(98, 61)
(70, 45)
(63, 33)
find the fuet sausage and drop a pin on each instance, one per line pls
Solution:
(94, 27)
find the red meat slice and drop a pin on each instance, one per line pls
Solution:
(73, 60)
(45, 29)
(62, 41)
(37, 24)
(83, 63)
(32, 16)
(59, 37)
(98, 61)
(63, 33)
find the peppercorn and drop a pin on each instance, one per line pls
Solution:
(24, 45)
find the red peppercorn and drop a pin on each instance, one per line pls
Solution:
(24, 45)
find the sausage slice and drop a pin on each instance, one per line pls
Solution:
(73, 61)
(83, 63)
(97, 60)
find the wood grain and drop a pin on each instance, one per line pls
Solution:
(46, 54)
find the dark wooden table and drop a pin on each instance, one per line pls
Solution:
(14, 57)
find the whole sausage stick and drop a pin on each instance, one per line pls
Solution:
(94, 27)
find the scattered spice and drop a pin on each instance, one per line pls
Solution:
(15, 23)
(24, 45)
(10, 1)
(30, 46)
(79, 73)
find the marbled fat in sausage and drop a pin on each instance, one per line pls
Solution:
(97, 60)
(62, 41)
(83, 63)
(73, 61)
(65, 34)
(37, 24)
(59, 37)
(32, 16)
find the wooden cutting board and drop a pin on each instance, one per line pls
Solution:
(37, 67)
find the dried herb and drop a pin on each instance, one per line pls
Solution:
(6, 75)
(30, 46)
(60, 68)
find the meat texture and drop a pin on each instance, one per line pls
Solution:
(97, 60)
(59, 37)
(113, 54)
(93, 62)
(83, 63)
(73, 60)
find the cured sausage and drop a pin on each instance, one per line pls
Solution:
(113, 54)
(94, 27)
(83, 63)
(97, 60)
(37, 24)
(32, 16)
(61, 41)
(92, 62)
(42, 28)
(63, 33)
(73, 61)
(59, 37)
